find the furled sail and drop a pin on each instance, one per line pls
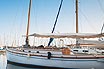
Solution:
(68, 35)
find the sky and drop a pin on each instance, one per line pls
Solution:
(14, 15)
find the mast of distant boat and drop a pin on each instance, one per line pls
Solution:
(27, 39)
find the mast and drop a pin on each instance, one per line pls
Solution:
(76, 16)
(28, 25)
(77, 39)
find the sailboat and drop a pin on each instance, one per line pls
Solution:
(54, 57)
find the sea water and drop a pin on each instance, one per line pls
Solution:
(5, 65)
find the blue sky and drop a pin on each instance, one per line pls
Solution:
(13, 17)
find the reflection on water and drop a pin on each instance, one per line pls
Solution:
(11, 66)
(4, 65)
(2, 61)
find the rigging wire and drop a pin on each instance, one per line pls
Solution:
(73, 24)
(100, 5)
(87, 19)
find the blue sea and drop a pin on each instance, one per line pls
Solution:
(5, 65)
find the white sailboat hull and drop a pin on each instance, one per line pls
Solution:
(53, 62)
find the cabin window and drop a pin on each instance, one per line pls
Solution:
(75, 50)
(102, 52)
(85, 50)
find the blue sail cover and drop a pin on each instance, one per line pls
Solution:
(51, 39)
